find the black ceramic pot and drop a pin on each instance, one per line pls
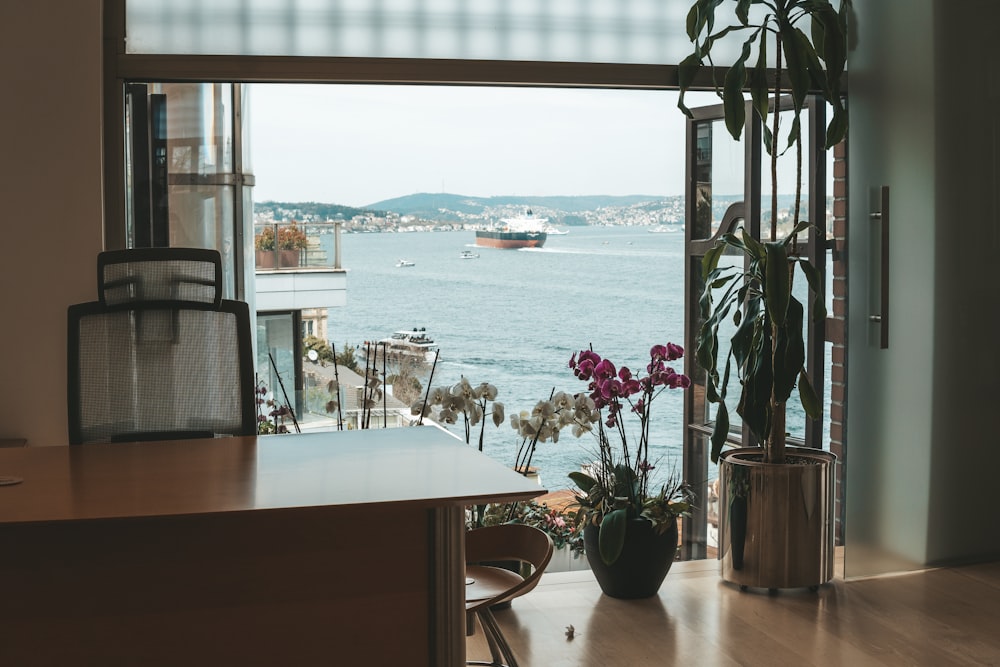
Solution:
(642, 565)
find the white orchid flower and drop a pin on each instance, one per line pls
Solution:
(487, 391)
(544, 409)
(475, 413)
(563, 401)
(447, 416)
(497, 413)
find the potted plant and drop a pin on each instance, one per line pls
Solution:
(290, 241)
(776, 502)
(630, 521)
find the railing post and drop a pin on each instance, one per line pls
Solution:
(336, 245)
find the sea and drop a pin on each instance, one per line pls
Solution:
(513, 318)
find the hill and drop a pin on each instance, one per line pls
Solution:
(433, 206)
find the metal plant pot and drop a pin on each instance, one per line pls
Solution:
(776, 521)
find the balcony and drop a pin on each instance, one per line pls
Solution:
(303, 270)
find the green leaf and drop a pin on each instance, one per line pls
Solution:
(733, 102)
(611, 537)
(741, 344)
(794, 48)
(584, 481)
(808, 397)
(755, 401)
(753, 247)
(758, 84)
(686, 72)
(711, 260)
(837, 129)
(793, 354)
(743, 11)
(777, 284)
(720, 432)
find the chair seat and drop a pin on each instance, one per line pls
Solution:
(483, 583)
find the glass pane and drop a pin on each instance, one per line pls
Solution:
(618, 31)
(276, 356)
(719, 168)
(187, 186)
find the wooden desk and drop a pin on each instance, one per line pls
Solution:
(327, 549)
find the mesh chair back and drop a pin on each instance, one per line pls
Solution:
(159, 274)
(142, 366)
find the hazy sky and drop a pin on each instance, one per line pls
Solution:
(359, 144)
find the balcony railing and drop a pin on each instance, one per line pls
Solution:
(297, 246)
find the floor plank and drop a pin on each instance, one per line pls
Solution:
(946, 616)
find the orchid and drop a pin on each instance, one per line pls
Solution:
(465, 401)
(618, 486)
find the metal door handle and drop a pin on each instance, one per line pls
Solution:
(882, 317)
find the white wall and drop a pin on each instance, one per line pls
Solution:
(50, 189)
(920, 474)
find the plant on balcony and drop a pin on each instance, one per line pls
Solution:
(562, 527)
(290, 237)
(764, 542)
(265, 240)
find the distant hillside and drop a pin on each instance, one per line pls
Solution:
(429, 205)
(310, 210)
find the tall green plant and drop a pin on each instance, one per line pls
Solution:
(767, 348)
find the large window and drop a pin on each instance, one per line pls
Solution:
(582, 82)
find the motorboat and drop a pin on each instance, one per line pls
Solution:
(404, 262)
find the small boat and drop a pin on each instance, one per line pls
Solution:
(413, 345)
(468, 254)
(404, 262)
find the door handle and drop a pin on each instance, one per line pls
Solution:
(882, 317)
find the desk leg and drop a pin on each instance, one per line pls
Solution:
(448, 584)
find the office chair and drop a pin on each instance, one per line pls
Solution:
(161, 355)
(486, 586)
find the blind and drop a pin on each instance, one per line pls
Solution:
(610, 31)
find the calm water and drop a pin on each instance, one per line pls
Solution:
(513, 318)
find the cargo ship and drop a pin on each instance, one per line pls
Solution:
(525, 231)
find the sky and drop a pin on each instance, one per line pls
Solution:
(360, 144)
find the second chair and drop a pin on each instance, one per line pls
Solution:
(488, 585)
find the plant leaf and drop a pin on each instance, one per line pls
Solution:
(582, 480)
(611, 537)
(792, 356)
(720, 432)
(777, 284)
(686, 72)
(808, 397)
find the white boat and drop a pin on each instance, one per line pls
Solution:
(468, 254)
(555, 231)
(404, 262)
(412, 344)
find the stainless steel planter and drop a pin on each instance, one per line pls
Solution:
(776, 521)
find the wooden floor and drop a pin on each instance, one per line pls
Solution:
(939, 617)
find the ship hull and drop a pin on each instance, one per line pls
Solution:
(493, 239)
